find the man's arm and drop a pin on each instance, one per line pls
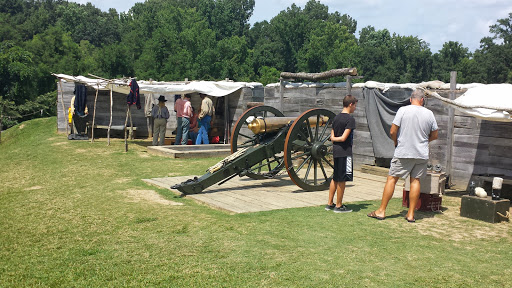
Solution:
(341, 138)
(433, 136)
(393, 132)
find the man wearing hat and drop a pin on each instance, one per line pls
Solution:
(205, 117)
(160, 114)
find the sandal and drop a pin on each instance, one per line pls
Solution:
(373, 215)
(410, 221)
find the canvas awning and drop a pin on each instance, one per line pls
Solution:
(211, 88)
(491, 102)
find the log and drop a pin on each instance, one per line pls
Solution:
(320, 76)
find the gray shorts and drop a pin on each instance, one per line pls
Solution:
(401, 167)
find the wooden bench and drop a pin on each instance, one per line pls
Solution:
(118, 128)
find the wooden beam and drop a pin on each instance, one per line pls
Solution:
(320, 76)
(126, 129)
(281, 95)
(66, 120)
(349, 84)
(451, 117)
(94, 113)
(110, 123)
(227, 129)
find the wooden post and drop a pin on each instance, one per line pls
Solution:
(126, 129)
(148, 119)
(281, 95)
(66, 120)
(451, 130)
(349, 85)
(94, 113)
(226, 120)
(110, 123)
(131, 122)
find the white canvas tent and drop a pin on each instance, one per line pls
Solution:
(211, 88)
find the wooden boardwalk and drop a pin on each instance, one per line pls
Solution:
(243, 195)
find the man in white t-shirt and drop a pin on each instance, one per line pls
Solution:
(413, 128)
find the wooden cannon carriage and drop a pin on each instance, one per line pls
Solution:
(264, 142)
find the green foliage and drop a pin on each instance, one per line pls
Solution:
(16, 73)
(212, 40)
(268, 75)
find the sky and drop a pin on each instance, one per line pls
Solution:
(434, 21)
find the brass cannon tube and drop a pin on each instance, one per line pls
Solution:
(272, 124)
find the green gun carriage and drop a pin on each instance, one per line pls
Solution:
(264, 142)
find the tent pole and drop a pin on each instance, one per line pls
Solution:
(94, 113)
(66, 120)
(110, 123)
(126, 129)
(131, 122)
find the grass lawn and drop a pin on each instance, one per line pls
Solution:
(75, 214)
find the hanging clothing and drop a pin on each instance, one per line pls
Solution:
(80, 103)
(134, 95)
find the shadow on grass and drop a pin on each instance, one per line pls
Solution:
(356, 207)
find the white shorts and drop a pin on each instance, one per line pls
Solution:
(401, 167)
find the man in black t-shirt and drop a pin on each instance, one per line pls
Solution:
(342, 136)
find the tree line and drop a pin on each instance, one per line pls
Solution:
(170, 40)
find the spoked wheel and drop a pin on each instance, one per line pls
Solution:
(308, 151)
(243, 137)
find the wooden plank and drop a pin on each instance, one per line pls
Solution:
(244, 195)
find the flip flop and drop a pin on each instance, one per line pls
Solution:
(410, 221)
(373, 215)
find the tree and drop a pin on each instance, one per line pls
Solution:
(452, 57)
(330, 46)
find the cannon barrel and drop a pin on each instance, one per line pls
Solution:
(273, 124)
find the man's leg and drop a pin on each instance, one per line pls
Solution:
(185, 123)
(414, 196)
(206, 125)
(332, 190)
(340, 188)
(389, 189)
(200, 135)
(163, 127)
(179, 132)
(155, 132)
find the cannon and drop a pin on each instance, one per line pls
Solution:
(264, 142)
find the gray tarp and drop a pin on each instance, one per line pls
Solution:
(380, 111)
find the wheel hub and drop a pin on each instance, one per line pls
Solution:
(318, 150)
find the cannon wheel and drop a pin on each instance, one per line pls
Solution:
(242, 137)
(308, 155)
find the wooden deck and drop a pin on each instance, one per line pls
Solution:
(244, 195)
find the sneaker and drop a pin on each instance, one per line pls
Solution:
(342, 209)
(330, 207)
